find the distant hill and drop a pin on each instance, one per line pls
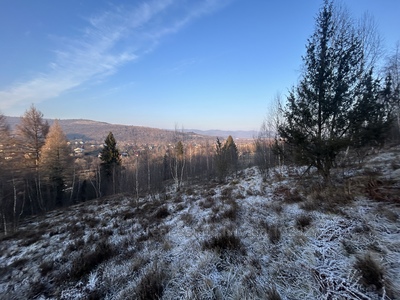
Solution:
(239, 134)
(88, 130)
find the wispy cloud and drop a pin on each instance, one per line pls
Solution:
(112, 39)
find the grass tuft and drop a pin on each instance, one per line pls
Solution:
(371, 271)
(151, 286)
(302, 221)
(226, 241)
(86, 262)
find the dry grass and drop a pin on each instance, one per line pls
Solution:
(87, 261)
(302, 221)
(372, 272)
(152, 284)
(226, 241)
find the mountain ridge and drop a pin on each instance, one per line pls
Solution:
(91, 130)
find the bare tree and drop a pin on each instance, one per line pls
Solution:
(265, 156)
(32, 131)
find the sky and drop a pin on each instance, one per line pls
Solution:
(196, 64)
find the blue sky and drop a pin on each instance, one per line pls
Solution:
(199, 64)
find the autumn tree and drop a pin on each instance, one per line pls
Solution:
(56, 164)
(110, 164)
(322, 110)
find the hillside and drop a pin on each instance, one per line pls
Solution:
(89, 130)
(286, 237)
(95, 131)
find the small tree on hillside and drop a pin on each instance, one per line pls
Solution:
(56, 163)
(321, 112)
(226, 157)
(110, 165)
(231, 154)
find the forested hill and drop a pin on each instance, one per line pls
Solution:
(89, 130)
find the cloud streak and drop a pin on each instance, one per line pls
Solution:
(112, 39)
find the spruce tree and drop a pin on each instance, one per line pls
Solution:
(231, 154)
(110, 163)
(322, 111)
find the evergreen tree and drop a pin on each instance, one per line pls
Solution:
(322, 109)
(110, 164)
(231, 154)
(56, 163)
(226, 157)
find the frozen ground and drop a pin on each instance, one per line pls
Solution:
(286, 237)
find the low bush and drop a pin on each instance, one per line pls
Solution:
(302, 221)
(227, 241)
(86, 262)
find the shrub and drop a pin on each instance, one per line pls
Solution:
(45, 267)
(86, 262)
(225, 242)
(162, 212)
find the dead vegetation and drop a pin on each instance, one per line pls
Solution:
(292, 238)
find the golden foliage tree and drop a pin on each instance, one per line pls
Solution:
(56, 161)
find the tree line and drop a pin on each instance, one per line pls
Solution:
(39, 172)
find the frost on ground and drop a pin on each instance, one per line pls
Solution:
(286, 237)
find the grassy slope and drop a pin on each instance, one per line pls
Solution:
(283, 238)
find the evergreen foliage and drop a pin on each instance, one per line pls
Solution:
(111, 161)
(110, 155)
(226, 157)
(336, 103)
